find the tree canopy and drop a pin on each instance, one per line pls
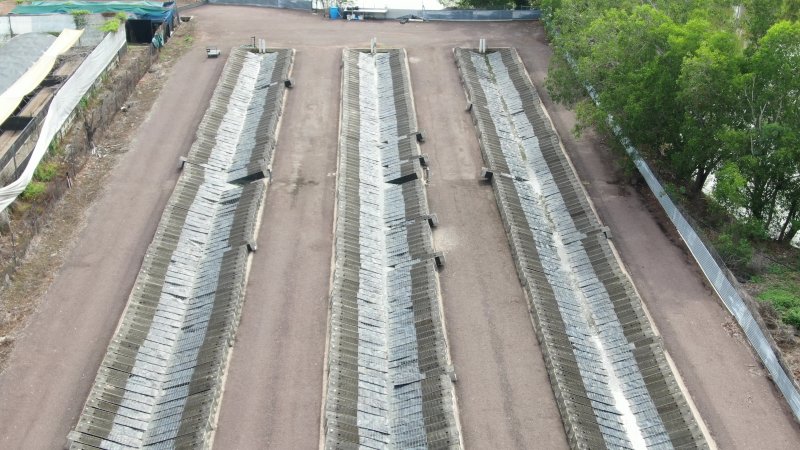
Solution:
(699, 87)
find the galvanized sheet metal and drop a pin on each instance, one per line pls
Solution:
(715, 272)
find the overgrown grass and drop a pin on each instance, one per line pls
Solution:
(34, 191)
(46, 171)
(782, 290)
(112, 25)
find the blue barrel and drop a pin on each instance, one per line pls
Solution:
(335, 12)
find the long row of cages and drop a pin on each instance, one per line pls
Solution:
(389, 373)
(389, 377)
(160, 382)
(610, 376)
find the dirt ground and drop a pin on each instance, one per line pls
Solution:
(273, 394)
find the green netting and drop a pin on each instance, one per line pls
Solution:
(138, 8)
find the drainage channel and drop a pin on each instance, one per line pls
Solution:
(389, 373)
(160, 382)
(608, 371)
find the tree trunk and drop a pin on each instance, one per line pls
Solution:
(791, 234)
(700, 181)
(787, 237)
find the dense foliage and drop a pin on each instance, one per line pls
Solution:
(702, 87)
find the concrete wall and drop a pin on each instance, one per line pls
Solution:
(13, 25)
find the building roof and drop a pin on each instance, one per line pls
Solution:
(19, 54)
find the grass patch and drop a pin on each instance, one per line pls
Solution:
(781, 288)
(34, 191)
(110, 26)
(785, 297)
(46, 171)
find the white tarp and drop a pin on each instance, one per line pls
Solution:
(10, 99)
(62, 106)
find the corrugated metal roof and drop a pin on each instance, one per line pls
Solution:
(19, 54)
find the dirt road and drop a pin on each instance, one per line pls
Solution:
(274, 387)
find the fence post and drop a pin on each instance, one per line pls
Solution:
(13, 245)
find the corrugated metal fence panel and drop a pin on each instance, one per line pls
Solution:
(716, 276)
(285, 4)
(160, 382)
(435, 15)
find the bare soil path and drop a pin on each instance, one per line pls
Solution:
(274, 387)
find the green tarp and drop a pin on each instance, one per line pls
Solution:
(138, 8)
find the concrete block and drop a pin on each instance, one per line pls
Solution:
(439, 258)
(433, 220)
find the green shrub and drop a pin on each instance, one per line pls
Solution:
(785, 299)
(757, 279)
(751, 229)
(79, 17)
(34, 191)
(792, 317)
(121, 16)
(777, 269)
(736, 252)
(46, 171)
(110, 26)
(675, 192)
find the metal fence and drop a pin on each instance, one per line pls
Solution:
(465, 15)
(284, 4)
(714, 272)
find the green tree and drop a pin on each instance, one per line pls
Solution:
(760, 15)
(769, 153)
(692, 93)
(708, 98)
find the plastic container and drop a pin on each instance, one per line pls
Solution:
(335, 13)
